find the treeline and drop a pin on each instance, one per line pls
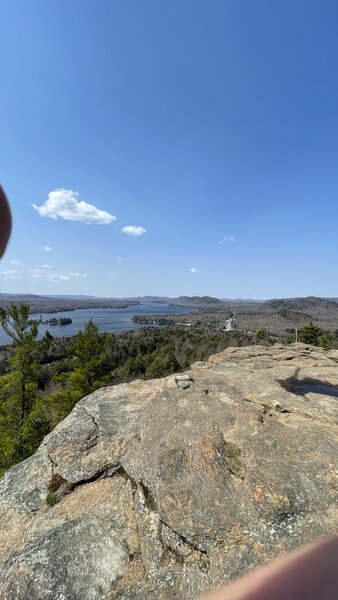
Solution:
(153, 319)
(309, 334)
(41, 380)
(43, 304)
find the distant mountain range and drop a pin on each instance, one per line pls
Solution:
(301, 303)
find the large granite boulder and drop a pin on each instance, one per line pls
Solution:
(167, 488)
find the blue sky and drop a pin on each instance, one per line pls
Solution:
(209, 128)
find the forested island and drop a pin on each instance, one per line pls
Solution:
(153, 319)
(60, 321)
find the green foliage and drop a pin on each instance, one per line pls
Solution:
(163, 364)
(310, 334)
(16, 323)
(51, 499)
(262, 334)
(18, 398)
(88, 350)
(60, 404)
(325, 341)
(232, 454)
(36, 426)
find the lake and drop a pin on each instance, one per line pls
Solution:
(107, 319)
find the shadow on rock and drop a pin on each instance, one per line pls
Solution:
(301, 387)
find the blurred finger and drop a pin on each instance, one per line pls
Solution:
(310, 574)
(5, 221)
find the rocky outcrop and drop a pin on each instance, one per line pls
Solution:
(167, 488)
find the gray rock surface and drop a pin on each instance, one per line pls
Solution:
(167, 488)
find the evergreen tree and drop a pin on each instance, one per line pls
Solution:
(310, 334)
(163, 363)
(262, 334)
(18, 387)
(89, 352)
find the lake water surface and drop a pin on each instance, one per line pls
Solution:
(107, 319)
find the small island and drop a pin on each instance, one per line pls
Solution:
(152, 320)
(60, 321)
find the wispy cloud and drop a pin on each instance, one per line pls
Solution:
(133, 230)
(229, 238)
(64, 204)
(54, 277)
(118, 258)
(112, 275)
(47, 249)
(45, 266)
(15, 262)
(194, 270)
(10, 274)
(37, 273)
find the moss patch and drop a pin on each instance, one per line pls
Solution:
(51, 499)
(232, 454)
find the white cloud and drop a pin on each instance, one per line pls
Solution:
(133, 230)
(45, 266)
(194, 270)
(84, 275)
(64, 204)
(10, 274)
(42, 274)
(47, 249)
(118, 258)
(15, 262)
(36, 273)
(56, 277)
(229, 238)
